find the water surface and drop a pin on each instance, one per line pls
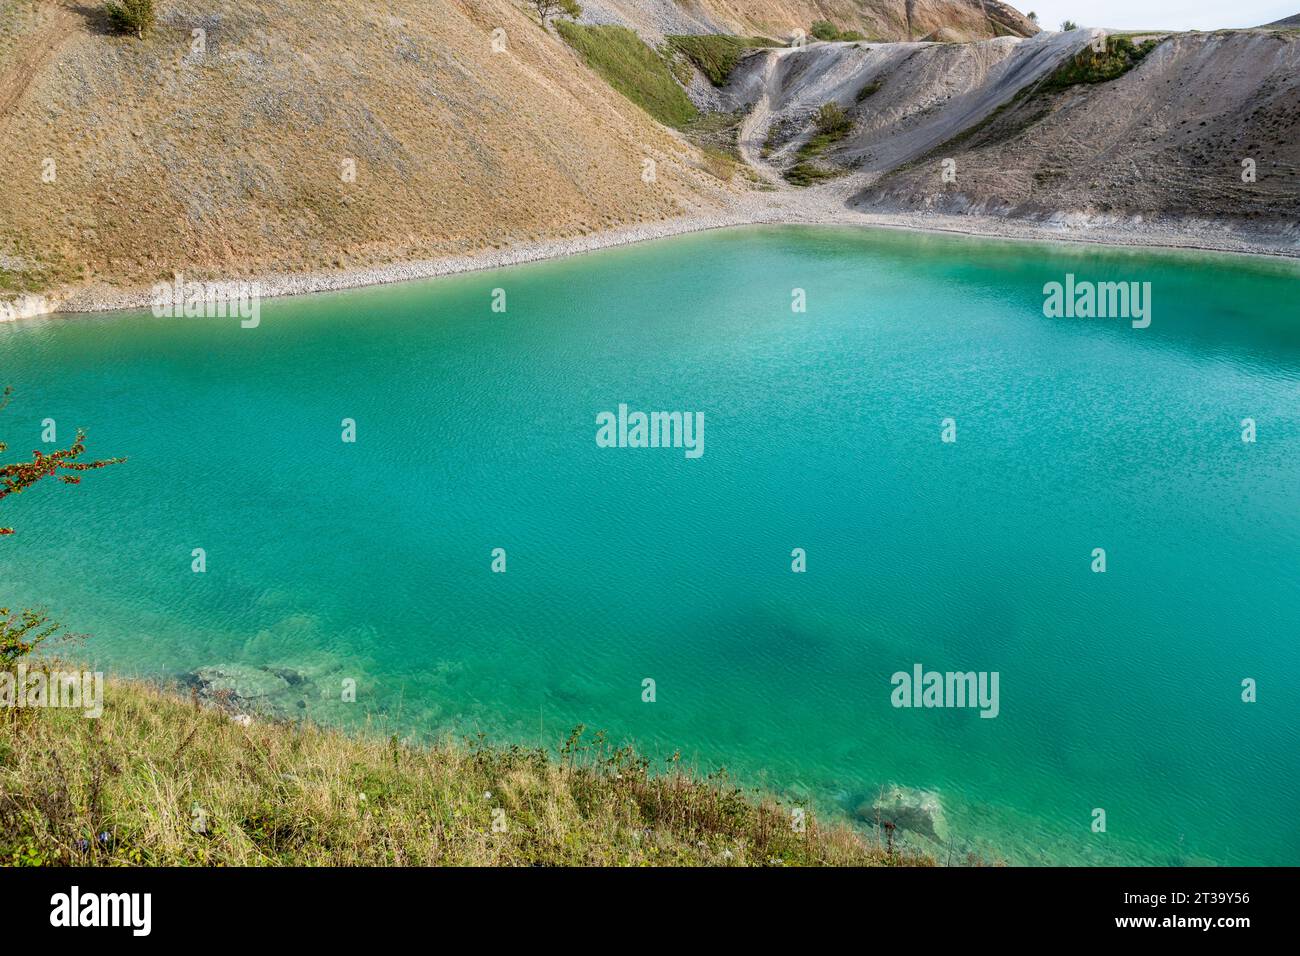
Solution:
(476, 431)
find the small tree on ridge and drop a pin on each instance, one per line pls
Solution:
(549, 8)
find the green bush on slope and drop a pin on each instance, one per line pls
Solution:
(716, 55)
(829, 32)
(1090, 66)
(130, 16)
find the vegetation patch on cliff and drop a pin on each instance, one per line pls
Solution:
(632, 68)
(826, 31)
(716, 55)
(869, 90)
(830, 125)
(716, 134)
(1094, 66)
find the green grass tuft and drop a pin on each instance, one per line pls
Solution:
(868, 90)
(716, 55)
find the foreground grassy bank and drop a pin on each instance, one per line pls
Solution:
(160, 780)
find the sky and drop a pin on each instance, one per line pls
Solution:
(1158, 14)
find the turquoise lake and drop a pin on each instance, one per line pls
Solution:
(476, 430)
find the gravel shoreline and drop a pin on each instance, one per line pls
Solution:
(819, 206)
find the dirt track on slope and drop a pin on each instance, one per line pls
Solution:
(39, 50)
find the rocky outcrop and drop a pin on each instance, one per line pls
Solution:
(904, 98)
(1206, 127)
(24, 307)
(1196, 128)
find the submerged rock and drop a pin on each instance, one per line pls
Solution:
(916, 810)
(240, 681)
(244, 688)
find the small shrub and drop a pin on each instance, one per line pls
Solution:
(130, 16)
(21, 632)
(870, 89)
(831, 121)
(829, 32)
(15, 478)
(772, 140)
(804, 173)
(550, 8)
(824, 30)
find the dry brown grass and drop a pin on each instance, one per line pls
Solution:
(158, 780)
(878, 19)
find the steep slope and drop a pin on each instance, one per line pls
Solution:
(886, 19)
(904, 98)
(1165, 140)
(656, 19)
(130, 159)
(878, 19)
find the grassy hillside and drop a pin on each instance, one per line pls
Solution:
(230, 159)
(157, 780)
(632, 68)
(716, 55)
